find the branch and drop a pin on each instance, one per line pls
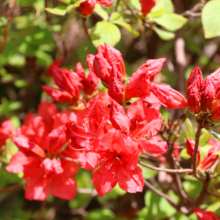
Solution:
(41, 211)
(213, 194)
(92, 192)
(12, 188)
(68, 159)
(85, 27)
(198, 133)
(167, 197)
(187, 171)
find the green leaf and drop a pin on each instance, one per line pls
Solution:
(167, 5)
(136, 4)
(204, 139)
(100, 214)
(204, 151)
(101, 12)
(171, 22)
(213, 207)
(190, 133)
(157, 207)
(117, 18)
(59, 10)
(164, 35)
(192, 187)
(184, 154)
(72, 7)
(105, 32)
(211, 19)
(3, 21)
(215, 135)
(157, 13)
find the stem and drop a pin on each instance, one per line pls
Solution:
(187, 171)
(198, 133)
(41, 211)
(85, 27)
(213, 194)
(68, 159)
(12, 188)
(172, 202)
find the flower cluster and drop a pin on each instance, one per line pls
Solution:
(109, 131)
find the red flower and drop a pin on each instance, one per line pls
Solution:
(6, 131)
(119, 157)
(169, 97)
(105, 59)
(190, 147)
(51, 177)
(69, 84)
(53, 65)
(147, 5)
(210, 158)
(87, 6)
(205, 215)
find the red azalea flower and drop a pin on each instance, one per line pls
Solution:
(87, 6)
(54, 64)
(6, 131)
(205, 215)
(204, 96)
(119, 157)
(147, 5)
(210, 158)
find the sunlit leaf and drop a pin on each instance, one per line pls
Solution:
(164, 35)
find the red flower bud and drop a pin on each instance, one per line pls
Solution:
(210, 158)
(116, 87)
(147, 5)
(87, 6)
(205, 215)
(207, 94)
(194, 85)
(168, 97)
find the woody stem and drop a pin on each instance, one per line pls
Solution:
(198, 133)
(85, 27)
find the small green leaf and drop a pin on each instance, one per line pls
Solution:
(215, 135)
(100, 214)
(72, 7)
(213, 207)
(101, 12)
(211, 19)
(184, 154)
(3, 21)
(59, 10)
(171, 22)
(204, 139)
(189, 129)
(105, 32)
(136, 4)
(164, 35)
(157, 13)
(117, 18)
(167, 5)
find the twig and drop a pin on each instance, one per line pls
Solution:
(198, 133)
(41, 211)
(68, 159)
(92, 192)
(193, 11)
(170, 200)
(188, 171)
(213, 194)
(12, 188)
(85, 27)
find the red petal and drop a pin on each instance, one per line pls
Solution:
(59, 96)
(205, 215)
(147, 5)
(104, 180)
(131, 180)
(119, 118)
(116, 87)
(154, 147)
(190, 146)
